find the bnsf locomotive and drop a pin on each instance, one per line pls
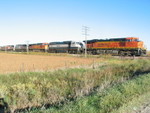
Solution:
(115, 46)
(38, 47)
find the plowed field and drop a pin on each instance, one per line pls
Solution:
(21, 63)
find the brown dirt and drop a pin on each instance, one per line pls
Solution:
(146, 109)
(21, 63)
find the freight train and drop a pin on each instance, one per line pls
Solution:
(116, 46)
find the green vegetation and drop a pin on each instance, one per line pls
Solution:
(34, 89)
(136, 104)
(110, 100)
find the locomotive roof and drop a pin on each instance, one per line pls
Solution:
(10, 45)
(7, 46)
(38, 44)
(63, 42)
(21, 45)
(111, 39)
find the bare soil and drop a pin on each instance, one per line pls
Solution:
(23, 63)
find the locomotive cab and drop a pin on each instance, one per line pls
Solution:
(136, 46)
(77, 47)
(80, 47)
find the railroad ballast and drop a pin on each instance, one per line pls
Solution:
(115, 46)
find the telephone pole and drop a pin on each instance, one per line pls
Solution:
(85, 33)
(27, 43)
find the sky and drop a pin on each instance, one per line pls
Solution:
(60, 20)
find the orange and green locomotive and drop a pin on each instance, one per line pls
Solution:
(116, 46)
(38, 47)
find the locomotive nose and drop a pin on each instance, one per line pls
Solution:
(140, 45)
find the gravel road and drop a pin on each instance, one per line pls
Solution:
(145, 109)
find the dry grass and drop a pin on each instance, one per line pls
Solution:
(148, 53)
(24, 63)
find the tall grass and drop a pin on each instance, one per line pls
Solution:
(107, 101)
(32, 89)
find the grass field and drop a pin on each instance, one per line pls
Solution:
(121, 98)
(27, 63)
(55, 89)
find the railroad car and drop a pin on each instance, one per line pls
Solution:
(116, 46)
(21, 48)
(3, 48)
(38, 47)
(10, 48)
(66, 47)
(7, 48)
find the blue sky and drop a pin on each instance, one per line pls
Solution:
(54, 20)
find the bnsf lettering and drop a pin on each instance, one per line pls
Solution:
(103, 44)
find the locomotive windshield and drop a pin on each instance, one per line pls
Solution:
(81, 44)
(133, 40)
(137, 40)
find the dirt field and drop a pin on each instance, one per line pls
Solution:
(21, 63)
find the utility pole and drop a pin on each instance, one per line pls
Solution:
(85, 33)
(27, 48)
(5, 48)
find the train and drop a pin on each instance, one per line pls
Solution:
(116, 46)
(129, 46)
(38, 47)
(66, 47)
(7, 48)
